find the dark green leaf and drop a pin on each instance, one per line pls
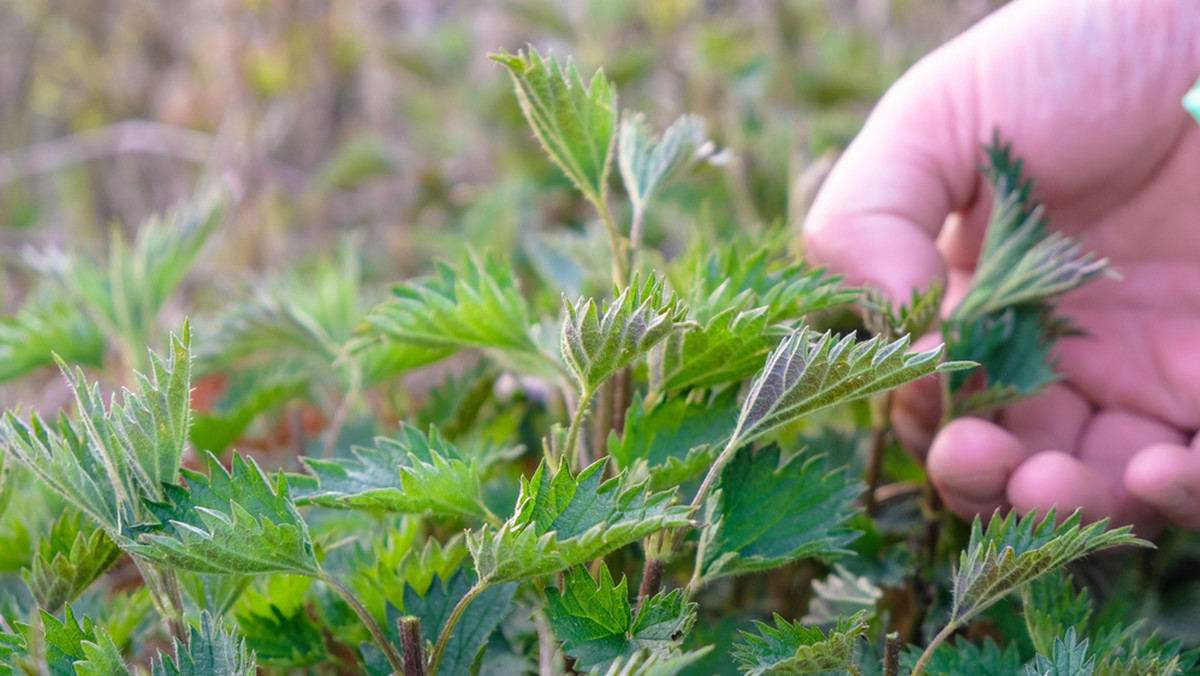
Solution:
(1013, 350)
(473, 628)
(672, 429)
(597, 624)
(565, 521)
(574, 122)
(964, 659)
(414, 474)
(791, 648)
(228, 523)
(68, 561)
(1068, 658)
(766, 513)
(210, 650)
(1050, 604)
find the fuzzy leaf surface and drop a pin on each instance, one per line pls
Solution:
(564, 521)
(731, 347)
(1011, 552)
(805, 374)
(412, 474)
(480, 307)
(791, 648)
(63, 641)
(596, 343)
(672, 429)
(49, 322)
(101, 657)
(597, 624)
(574, 122)
(647, 162)
(473, 628)
(227, 523)
(766, 513)
(646, 663)
(1068, 658)
(1020, 262)
(210, 650)
(68, 561)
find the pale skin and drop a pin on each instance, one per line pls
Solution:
(1088, 92)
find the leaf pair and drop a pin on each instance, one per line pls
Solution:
(791, 648)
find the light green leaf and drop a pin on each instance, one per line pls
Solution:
(228, 523)
(472, 630)
(766, 513)
(731, 347)
(565, 521)
(480, 307)
(1012, 552)
(1020, 262)
(598, 343)
(414, 474)
(48, 322)
(63, 640)
(673, 429)
(210, 650)
(1050, 603)
(1069, 658)
(805, 374)
(12, 648)
(101, 657)
(283, 638)
(385, 565)
(1191, 101)
(574, 122)
(68, 561)
(646, 663)
(791, 648)
(647, 162)
(597, 624)
(840, 594)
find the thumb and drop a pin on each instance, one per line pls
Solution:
(878, 214)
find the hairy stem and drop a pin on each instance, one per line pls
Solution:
(620, 263)
(929, 649)
(891, 654)
(572, 444)
(389, 650)
(714, 472)
(412, 647)
(635, 232)
(455, 615)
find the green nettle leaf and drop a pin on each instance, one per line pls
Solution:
(68, 562)
(63, 640)
(49, 322)
(1012, 552)
(647, 163)
(964, 659)
(1125, 651)
(1069, 658)
(672, 430)
(597, 624)
(228, 523)
(914, 318)
(766, 513)
(1012, 348)
(804, 375)
(414, 474)
(471, 632)
(564, 521)
(12, 648)
(1050, 603)
(646, 663)
(386, 565)
(598, 343)
(111, 457)
(7, 471)
(283, 638)
(210, 649)
(731, 347)
(574, 122)
(101, 657)
(1020, 263)
(1191, 101)
(480, 307)
(791, 648)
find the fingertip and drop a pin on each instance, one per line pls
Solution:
(970, 462)
(1167, 477)
(1054, 479)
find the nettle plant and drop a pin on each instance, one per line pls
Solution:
(693, 436)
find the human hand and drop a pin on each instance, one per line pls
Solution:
(1088, 92)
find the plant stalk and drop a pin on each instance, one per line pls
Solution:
(929, 649)
(891, 654)
(389, 650)
(881, 427)
(620, 264)
(412, 647)
(455, 615)
(572, 445)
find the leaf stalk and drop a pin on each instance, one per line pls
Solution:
(455, 615)
(389, 650)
